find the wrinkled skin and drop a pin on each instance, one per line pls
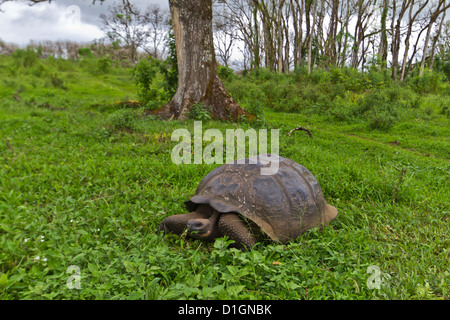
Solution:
(207, 224)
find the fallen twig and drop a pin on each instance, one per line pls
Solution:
(300, 128)
(16, 95)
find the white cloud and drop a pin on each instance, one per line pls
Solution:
(20, 23)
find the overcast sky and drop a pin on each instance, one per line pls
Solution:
(75, 20)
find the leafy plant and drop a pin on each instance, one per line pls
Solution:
(225, 72)
(150, 86)
(171, 73)
(429, 82)
(104, 65)
(199, 111)
(78, 190)
(122, 119)
(26, 57)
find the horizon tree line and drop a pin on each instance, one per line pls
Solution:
(281, 35)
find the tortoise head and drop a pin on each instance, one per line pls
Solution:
(202, 228)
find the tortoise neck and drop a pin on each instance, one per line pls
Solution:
(214, 222)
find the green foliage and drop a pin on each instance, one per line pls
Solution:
(199, 112)
(122, 119)
(56, 81)
(262, 74)
(84, 52)
(171, 73)
(149, 80)
(429, 82)
(442, 63)
(26, 57)
(254, 103)
(225, 73)
(104, 65)
(86, 181)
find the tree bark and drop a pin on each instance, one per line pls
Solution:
(198, 81)
(311, 35)
(441, 8)
(412, 19)
(433, 46)
(383, 53)
(395, 48)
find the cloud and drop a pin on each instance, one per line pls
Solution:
(58, 20)
(20, 23)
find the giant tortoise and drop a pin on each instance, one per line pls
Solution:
(236, 200)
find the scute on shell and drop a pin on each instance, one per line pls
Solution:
(284, 205)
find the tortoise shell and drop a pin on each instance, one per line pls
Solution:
(284, 205)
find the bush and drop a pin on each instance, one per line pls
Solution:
(442, 63)
(241, 89)
(84, 52)
(340, 111)
(429, 82)
(122, 119)
(262, 74)
(254, 103)
(225, 73)
(26, 57)
(377, 110)
(56, 82)
(381, 120)
(199, 112)
(150, 82)
(104, 65)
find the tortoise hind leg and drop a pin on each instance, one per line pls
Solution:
(233, 226)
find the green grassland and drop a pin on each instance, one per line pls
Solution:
(86, 180)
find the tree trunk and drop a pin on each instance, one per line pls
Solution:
(311, 35)
(412, 19)
(425, 48)
(359, 32)
(256, 49)
(383, 41)
(395, 48)
(198, 81)
(441, 8)
(433, 46)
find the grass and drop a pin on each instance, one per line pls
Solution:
(86, 182)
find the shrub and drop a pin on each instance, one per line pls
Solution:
(56, 82)
(241, 90)
(199, 111)
(381, 120)
(442, 63)
(84, 52)
(341, 111)
(122, 119)
(429, 82)
(376, 108)
(26, 57)
(254, 103)
(262, 74)
(310, 93)
(445, 111)
(318, 76)
(225, 73)
(150, 82)
(39, 70)
(104, 65)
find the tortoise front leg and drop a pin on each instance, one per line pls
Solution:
(233, 226)
(177, 223)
